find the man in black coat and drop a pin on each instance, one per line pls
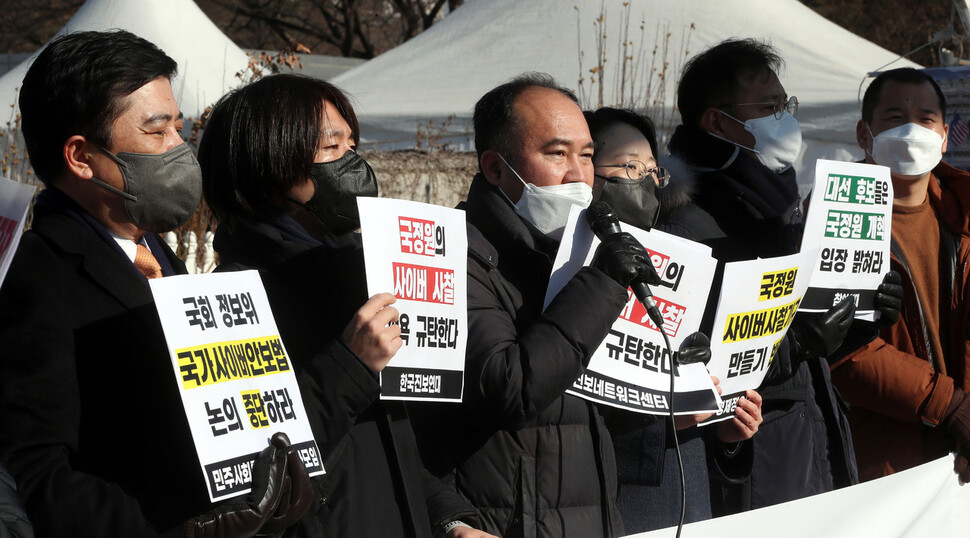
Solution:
(739, 138)
(92, 423)
(534, 460)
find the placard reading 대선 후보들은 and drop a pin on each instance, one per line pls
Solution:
(419, 253)
(631, 367)
(234, 375)
(849, 221)
(14, 203)
(759, 299)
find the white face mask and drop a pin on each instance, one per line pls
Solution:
(547, 208)
(777, 142)
(908, 150)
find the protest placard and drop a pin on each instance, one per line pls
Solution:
(419, 253)
(14, 203)
(631, 367)
(759, 299)
(849, 219)
(234, 375)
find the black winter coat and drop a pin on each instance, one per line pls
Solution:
(374, 483)
(91, 420)
(744, 211)
(533, 460)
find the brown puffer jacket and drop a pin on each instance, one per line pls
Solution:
(898, 390)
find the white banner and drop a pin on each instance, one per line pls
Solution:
(419, 252)
(233, 373)
(631, 367)
(849, 220)
(758, 301)
(14, 202)
(922, 502)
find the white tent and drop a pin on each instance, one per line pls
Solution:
(207, 60)
(442, 72)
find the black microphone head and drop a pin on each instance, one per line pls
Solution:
(602, 219)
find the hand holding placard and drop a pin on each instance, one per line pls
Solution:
(374, 334)
(281, 493)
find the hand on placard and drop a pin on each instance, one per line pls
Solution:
(370, 334)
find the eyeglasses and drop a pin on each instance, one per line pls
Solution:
(637, 171)
(791, 106)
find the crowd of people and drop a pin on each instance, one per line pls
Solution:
(92, 429)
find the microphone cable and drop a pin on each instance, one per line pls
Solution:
(673, 428)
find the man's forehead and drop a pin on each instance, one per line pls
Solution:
(547, 114)
(760, 84)
(896, 95)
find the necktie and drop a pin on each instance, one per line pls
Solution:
(146, 263)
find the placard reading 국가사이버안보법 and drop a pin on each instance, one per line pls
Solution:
(235, 377)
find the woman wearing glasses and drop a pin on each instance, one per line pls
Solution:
(639, 189)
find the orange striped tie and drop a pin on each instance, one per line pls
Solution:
(146, 263)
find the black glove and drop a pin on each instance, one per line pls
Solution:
(821, 334)
(889, 300)
(281, 494)
(625, 260)
(695, 348)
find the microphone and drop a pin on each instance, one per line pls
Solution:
(604, 223)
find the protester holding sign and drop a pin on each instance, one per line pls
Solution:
(907, 385)
(738, 140)
(281, 174)
(535, 460)
(626, 157)
(92, 424)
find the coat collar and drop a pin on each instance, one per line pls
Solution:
(65, 225)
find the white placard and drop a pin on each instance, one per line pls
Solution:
(234, 375)
(14, 203)
(849, 220)
(759, 299)
(631, 367)
(419, 252)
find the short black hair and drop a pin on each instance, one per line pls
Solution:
(260, 141)
(79, 85)
(713, 77)
(494, 119)
(907, 75)
(604, 118)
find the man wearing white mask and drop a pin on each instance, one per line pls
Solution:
(534, 460)
(736, 147)
(907, 385)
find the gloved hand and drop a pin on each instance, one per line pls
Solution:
(695, 348)
(822, 334)
(281, 494)
(889, 300)
(625, 260)
(957, 424)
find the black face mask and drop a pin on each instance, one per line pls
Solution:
(634, 203)
(337, 184)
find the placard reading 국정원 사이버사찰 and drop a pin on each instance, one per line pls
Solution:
(631, 367)
(849, 221)
(234, 375)
(419, 252)
(759, 299)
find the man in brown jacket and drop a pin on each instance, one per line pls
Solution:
(906, 386)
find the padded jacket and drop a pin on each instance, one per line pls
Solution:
(535, 461)
(898, 390)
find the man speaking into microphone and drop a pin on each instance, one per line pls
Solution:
(534, 460)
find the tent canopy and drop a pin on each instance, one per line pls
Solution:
(207, 60)
(441, 73)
